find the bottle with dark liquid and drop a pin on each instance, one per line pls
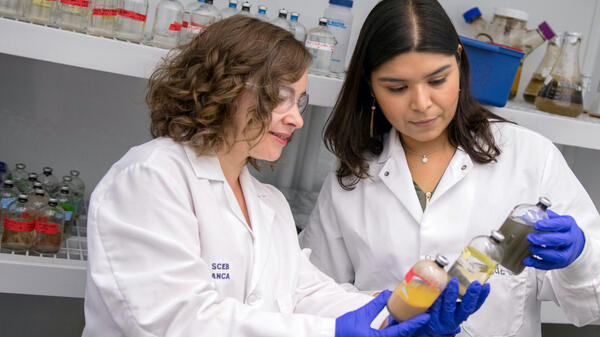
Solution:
(562, 92)
(515, 229)
(543, 69)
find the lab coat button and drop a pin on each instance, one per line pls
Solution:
(464, 167)
(386, 173)
(253, 299)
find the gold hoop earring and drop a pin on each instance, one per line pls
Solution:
(373, 107)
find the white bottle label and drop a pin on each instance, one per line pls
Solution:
(319, 45)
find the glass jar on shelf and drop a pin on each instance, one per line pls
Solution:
(72, 14)
(131, 20)
(49, 226)
(479, 27)
(39, 11)
(543, 69)
(11, 8)
(103, 17)
(19, 223)
(166, 31)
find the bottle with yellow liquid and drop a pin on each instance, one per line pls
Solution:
(420, 288)
(478, 261)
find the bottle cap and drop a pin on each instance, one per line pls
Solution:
(33, 176)
(65, 190)
(8, 183)
(74, 173)
(67, 178)
(39, 191)
(52, 202)
(294, 16)
(544, 203)
(545, 29)
(283, 13)
(471, 14)
(20, 166)
(323, 22)
(37, 184)
(513, 13)
(23, 198)
(245, 6)
(262, 9)
(232, 3)
(47, 170)
(345, 3)
(441, 260)
(210, 2)
(497, 236)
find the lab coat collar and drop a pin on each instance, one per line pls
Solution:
(205, 167)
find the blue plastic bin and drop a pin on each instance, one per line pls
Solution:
(493, 70)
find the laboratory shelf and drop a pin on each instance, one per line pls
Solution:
(63, 274)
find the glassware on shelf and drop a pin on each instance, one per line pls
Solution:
(299, 29)
(166, 31)
(478, 25)
(49, 227)
(8, 194)
(65, 201)
(562, 90)
(246, 9)
(19, 177)
(49, 181)
(230, 10)
(320, 43)
(281, 21)
(103, 17)
(202, 16)
(543, 69)
(262, 13)
(19, 223)
(40, 11)
(536, 37)
(11, 8)
(131, 20)
(72, 14)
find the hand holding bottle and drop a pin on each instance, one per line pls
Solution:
(559, 244)
(357, 323)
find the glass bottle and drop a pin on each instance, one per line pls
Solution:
(478, 261)
(543, 69)
(281, 21)
(37, 200)
(72, 14)
(262, 13)
(299, 29)
(8, 194)
(19, 177)
(131, 20)
(31, 179)
(562, 92)
(49, 181)
(320, 43)
(18, 226)
(478, 25)
(65, 202)
(3, 173)
(231, 10)
(420, 288)
(246, 9)
(517, 225)
(11, 8)
(103, 17)
(78, 184)
(201, 17)
(49, 226)
(536, 37)
(168, 21)
(187, 14)
(39, 11)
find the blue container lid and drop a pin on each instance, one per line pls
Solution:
(494, 48)
(471, 14)
(345, 3)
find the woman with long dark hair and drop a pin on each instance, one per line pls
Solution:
(423, 168)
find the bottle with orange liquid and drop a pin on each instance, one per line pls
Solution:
(420, 288)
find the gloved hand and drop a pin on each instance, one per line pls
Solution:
(559, 246)
(447, 314)
(357, 323)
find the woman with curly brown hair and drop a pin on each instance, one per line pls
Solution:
(182, 240)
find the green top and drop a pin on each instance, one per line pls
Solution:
(422, 195)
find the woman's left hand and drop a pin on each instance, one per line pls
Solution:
(559, 244)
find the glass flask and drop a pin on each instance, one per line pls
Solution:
(40, 11)
(72, 14)
(299, 29)
(320, 43)
(49, 181)
(478, 261)
(230, 10)
(421, 286)
(201, 17)
(536, 37)
(65, 202)
(19, 177)
(281, 21)
(262, 13)
(19, 223)
(131, 20)
(518, 224)
(543, 69)
(479, 27)
(11, 8)
(103, 17)
(562, 91)
(168, 21)
(49, 226)
(8, 194)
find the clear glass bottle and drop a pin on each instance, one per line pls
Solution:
(19, 177)
(18, 226)
(8, 194)
(201, 17)
(131, 20)
(518, 224)
(536, 37)
(420, 288)
(37, 200)
(39, 11)
(262, 13)
(187, 16)
(246, 9)
(479, 27)
(66, 202)
(562, 90)
(543, 69)
(230, 10)
(281, 21)
(11, 8)
(49, 227)
(166, 31)
(299, 29)
(320, 43)
(72, 14)
(478, 261)
(49, 181)
(78, 184)
(31, 179)
(103, 17)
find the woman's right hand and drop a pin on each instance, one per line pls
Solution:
(357, 323)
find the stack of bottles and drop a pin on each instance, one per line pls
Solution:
(37, 211)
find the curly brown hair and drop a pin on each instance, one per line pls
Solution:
(193, 96)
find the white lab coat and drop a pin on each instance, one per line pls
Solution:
(170, 254)
(372, 235)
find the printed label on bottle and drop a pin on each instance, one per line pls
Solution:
(46, 228)
(197, 28)
(184, 24)
(412, 276)
(132, 15)
(105, 12)
(68, 215)
(339, 24)
(175, 26)
(77, 3)
(7, 201)
(43, 3)
(18, 226)
(319, 45)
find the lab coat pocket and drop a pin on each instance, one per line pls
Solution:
(503, 312)
(286, 304)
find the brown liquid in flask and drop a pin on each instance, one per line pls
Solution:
(420, 288)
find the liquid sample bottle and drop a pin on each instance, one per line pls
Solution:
(478, 261)
(131, 20)
(72, 14)
(19, 177)
(8, 194)
(230, 10)
(31, 179)
(299, 29)
(420, 288)
(320, 43)
(339, 22)
(66, 203)
(18, 226)
(515, 229)
(166, 31)
(262, 14)
(281, 21)
(37, 201)
(39, 11)
(562, 90)
(478, 25)
(11, 8)
(103, 17)
(246, 9)
(49, 181)
(49, 226)
(543, 69)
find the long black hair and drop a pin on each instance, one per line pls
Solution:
(392, 28)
